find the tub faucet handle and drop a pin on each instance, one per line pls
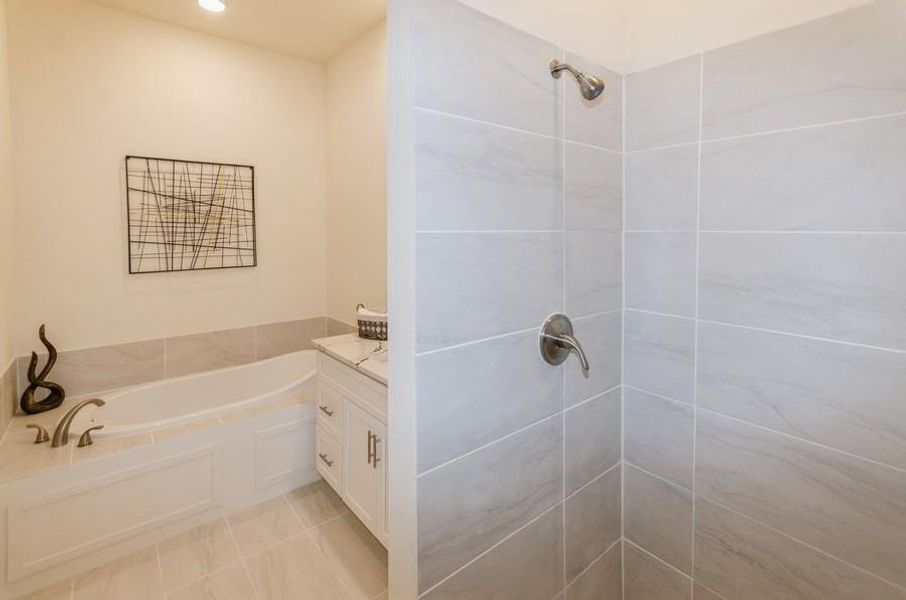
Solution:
(42, 437)
(85, 438)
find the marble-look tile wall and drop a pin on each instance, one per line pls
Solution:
(518, 187)
(765, 428)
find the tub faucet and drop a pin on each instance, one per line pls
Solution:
(61, 433)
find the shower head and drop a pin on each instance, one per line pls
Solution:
(590, 86)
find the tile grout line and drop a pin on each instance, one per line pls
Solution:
(594, 562)
(660, 560)
(243, 560)
(160, 568)
(564, 282)
(623, 280)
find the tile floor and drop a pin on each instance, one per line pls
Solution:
(304, 545)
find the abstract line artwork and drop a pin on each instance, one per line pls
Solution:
(187, 215)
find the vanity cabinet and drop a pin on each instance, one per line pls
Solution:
(351, 440)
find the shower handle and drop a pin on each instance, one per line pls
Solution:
(558, 342)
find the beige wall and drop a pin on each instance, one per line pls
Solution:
(92, 84)
(7, 213)
(356, 177)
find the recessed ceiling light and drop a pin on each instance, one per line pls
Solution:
(216, 6)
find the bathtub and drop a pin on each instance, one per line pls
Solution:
(195, 397)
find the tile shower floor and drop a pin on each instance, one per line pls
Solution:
(304, 545)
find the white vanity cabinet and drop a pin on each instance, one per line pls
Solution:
(351, 440)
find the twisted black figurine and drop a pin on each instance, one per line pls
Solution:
(29, 405)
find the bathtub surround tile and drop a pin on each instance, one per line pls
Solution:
(358, 559)
(168, 433)
(847, 507)
(499, 489)
(594, 272)
(660, 272)
(316, 503)
(524, 95)
(594, 188)
(602, 339)
(206, 351)
(593, 516)
(700, 592)
(473, 176)
(196, 554)
(105, 446)
(526, 566)
(337, 327)
(465, 395)
(487, 284)
(231, 583)
(662, 105)
(662, 188)
(275, 339)
(658, 436)
(598, 122)
(843, 396)
(602, 580)
(743, 560)
(592, 439)
(660, 354)
(9, 399)
(264, 525)
(647, 578)
(847, 177)
(295, 569)
(136, 576)
(849, 287)
(658, 518)
(845, 66)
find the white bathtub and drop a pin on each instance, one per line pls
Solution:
(193, 397)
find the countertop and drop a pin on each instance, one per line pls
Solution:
(362, 355)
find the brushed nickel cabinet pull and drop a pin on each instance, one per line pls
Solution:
(370, 447)
(326, 411)
(374, 455)
(323, 457)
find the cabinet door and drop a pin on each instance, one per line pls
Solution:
(365, 468)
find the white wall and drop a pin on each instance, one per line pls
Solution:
(91, 84)
(7, 213)
(356, 177)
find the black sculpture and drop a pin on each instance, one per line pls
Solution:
(29, 405)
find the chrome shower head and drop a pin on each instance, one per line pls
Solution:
(590, 86)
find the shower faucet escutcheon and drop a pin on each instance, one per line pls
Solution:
(558, 342)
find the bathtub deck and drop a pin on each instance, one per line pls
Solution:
(304, 544)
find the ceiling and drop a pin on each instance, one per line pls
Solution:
(311, 29)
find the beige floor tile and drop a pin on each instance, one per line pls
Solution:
(382, 596)
(295, 570)
(60, 591)
(105, 446)
(231, 583)
(185, 428)
(196, 553)
(316, 503)
(357, 557)
(261, 526)
(136, 577)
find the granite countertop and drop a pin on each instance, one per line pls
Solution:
(362, 355)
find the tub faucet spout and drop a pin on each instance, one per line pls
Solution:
(61, 433)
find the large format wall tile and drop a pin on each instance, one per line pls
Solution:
(475, 286)
(602, 580)
(647, 578)
(592, 439)
(205, 351)
(847, 507)
(472, 176)
(594, 188)
(500, 75)
(845, 66)
(662, 105)
(840, 177)
(497, 490)
(593, 516)
(660, 272)
(602, 338)
(598, 122)
(527, 566)
(9, 400)
(594, 272)
(473, 395)
(745, 561)
(657, 516)
(658, 436)
(662, 188)
(849, 287)
(844, 396)
(660, 354)
(275, 339)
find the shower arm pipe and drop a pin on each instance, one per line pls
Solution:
(557, 67)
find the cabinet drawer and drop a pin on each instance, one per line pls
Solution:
(329, 459)
(330, 410)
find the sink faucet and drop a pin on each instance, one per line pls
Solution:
(61, 433)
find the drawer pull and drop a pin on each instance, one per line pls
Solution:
(370, 451)
(323, 457)
(374, 456)
(326, 411)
